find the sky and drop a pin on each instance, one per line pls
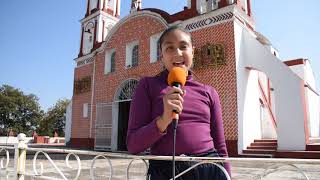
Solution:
(39, 40)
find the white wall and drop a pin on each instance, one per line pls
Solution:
(313, 112)
(241, 88)
(299, 70)
(305, 72)
(251, 112)
(309, 76)
(289, 112)
(313, 99)
(115, 116)
(5, 140)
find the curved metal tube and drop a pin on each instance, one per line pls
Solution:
(4, 163)
(129, 165)
(54, 165)
(278, 167)
(93, 162)
(4, 166)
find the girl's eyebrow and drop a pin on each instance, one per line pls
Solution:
(170, 42)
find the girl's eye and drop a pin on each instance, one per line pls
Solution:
(184, 47)
(169, 48)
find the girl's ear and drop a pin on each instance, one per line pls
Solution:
(192, 50)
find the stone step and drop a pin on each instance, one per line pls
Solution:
(263, 147)
(298, 154)
(256, 155)
(258, 151)
(265, 140)
(313, 147)
(264, 144)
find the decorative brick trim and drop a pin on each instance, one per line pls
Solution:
(209, 21)
(294, 62)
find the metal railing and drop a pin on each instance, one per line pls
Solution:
(20, 156)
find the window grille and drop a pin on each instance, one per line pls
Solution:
(135, 55)
(113, 63)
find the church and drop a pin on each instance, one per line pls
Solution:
(270, 106)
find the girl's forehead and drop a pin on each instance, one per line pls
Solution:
(177, 35)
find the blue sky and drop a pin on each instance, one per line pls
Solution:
(40, 39)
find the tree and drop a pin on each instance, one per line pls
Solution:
(18, 112)
(54, 119)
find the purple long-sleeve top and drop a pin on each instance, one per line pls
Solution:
(200, 126)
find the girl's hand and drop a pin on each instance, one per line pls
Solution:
(172, 101)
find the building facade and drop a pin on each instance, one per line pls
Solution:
(255, 87)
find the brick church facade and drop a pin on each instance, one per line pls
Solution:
(115, 53)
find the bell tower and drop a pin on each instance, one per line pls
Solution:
(135, 5)
(205, 6)
(100, 17)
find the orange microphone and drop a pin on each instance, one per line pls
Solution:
(177, 77)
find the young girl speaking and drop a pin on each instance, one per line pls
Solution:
(200, 127)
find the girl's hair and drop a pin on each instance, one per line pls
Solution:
(172, 28)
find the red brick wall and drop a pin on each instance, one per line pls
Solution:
(222, 78)
(139, 28)
(80, 125)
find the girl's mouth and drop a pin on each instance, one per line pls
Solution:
(178, 63)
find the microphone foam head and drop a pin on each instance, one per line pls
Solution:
(177, 75)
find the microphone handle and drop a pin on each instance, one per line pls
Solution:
(175, 114)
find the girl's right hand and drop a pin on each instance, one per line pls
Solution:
(172, 101)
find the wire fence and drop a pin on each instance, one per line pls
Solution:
(41, 163)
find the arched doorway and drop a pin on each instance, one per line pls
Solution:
(123, 98)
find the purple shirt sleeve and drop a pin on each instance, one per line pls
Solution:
(142, 129)
(217, 131)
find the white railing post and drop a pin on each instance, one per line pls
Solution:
(20, 155)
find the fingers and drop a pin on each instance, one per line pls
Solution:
(173, 100)
(176, 105)
(175, 90)
(175, 96)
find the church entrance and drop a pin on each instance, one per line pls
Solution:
(123, 117)
(124, 96)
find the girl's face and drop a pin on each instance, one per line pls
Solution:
(177, 50)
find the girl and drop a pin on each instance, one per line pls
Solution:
(200, 127)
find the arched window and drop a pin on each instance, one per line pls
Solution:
(135, 55)
(113, 62)
(88, 38)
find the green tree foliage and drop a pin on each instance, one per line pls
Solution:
(54, 119)
(18, 112)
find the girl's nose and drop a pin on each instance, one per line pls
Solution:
(179, 52)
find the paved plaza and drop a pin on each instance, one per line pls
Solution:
(240, 170)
